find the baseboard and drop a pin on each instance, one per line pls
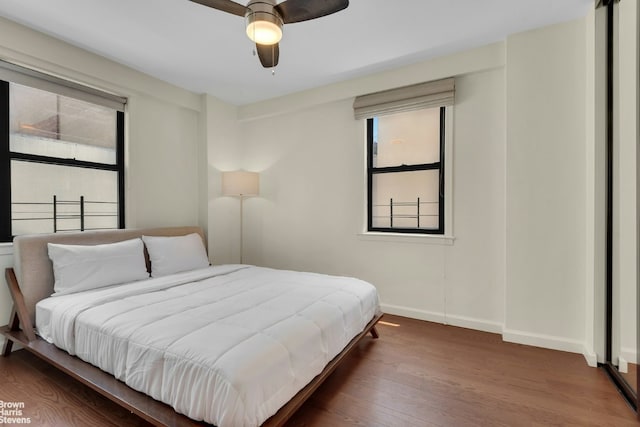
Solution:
(471, 323)
(546, 341)
(590, 357)
(629, 354)
(431, 316)
(509, 335)
(623, 365)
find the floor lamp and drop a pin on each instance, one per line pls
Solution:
(240, 184)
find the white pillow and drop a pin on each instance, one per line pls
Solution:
(78, 268)
(170, 255)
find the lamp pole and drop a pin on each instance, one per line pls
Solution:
(241, 226)
(241, 184)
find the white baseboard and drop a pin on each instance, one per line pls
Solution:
(471, 323)
(630, 355)
(623, 365)
(590, 357)
(431, 316)
(509, 335)
(545, 341)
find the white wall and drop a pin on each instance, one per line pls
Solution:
(518, 263)
(546, 132)
(310, 213)
(223, 154)
(163, 136)
(475, 266)
(162, 167)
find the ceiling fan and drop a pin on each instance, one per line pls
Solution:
(266, 17)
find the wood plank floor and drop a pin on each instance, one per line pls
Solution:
(631, 376)
(416, 374)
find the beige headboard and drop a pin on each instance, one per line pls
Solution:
(33, 267)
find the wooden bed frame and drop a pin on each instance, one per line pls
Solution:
(20, 330)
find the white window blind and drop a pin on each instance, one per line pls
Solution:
(28, 77)
(438, 93)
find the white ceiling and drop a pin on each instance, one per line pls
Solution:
(205, 50)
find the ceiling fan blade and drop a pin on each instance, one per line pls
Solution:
(303, 10)
(225, 6)
(268, 54)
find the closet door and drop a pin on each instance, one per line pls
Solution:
(621, 344)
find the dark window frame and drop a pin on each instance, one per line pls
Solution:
(440, 165)
(6, 156)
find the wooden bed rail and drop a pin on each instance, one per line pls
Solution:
(296, 402)
(19, 313)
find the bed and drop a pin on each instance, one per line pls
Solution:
(228, 345)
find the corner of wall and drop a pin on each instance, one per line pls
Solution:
(590, 356)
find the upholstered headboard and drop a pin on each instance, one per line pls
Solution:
(34, 269)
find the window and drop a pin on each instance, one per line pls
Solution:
(406, 132)
(405, 164)
(61, 158)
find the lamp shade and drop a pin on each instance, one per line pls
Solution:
(240, 183)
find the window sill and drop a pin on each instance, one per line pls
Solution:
(426, 239)
(6, 248)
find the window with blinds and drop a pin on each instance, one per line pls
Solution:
(61, 155)
(406, 157)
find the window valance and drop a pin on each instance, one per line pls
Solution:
(28, 77)
(438, 93)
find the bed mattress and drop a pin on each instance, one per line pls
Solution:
(228, 345)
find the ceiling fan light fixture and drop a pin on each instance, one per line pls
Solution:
(264, 27)
(264, 20)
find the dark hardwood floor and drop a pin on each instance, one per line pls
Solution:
(631, 376)
(416, 374)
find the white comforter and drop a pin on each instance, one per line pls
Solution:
(228, 344)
